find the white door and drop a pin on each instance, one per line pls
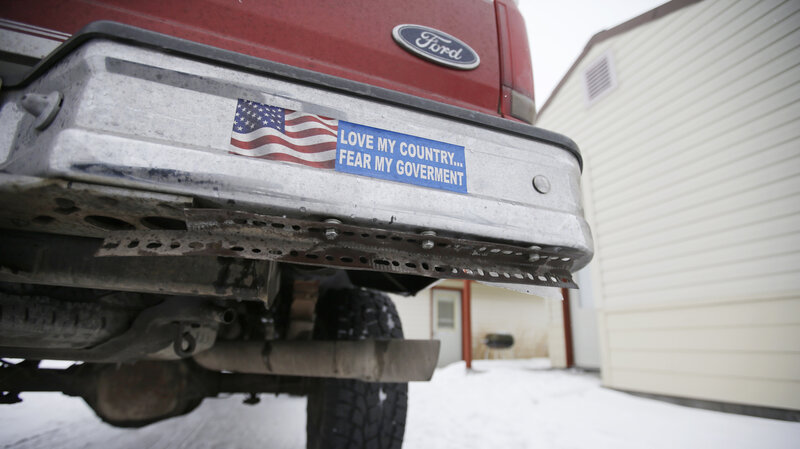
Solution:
(583, 312)
(447, 324)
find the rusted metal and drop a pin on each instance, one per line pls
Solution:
(152, 335)
(304, 301)
(36, 321)
(253, 236)
(141, 392)
(367, 360)
(75, 208)
(81, 380)
(70, 261)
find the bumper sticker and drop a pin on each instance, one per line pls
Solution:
(377, 153)
(270, 132)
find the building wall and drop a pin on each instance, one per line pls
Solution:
(498, 310)
(415, 314)
(583, 319)
(494, 310)
(556, 338)
(692, 189)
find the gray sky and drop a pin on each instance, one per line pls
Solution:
(559, 29)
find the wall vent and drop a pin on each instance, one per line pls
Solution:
(599, 78)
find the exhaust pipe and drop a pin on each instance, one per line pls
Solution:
(367, 360)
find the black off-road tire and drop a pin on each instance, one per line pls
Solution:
(351, 413)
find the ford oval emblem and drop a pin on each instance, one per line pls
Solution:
(436, 46)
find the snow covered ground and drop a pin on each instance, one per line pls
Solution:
(500, 404)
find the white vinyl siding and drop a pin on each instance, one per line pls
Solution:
(692, 190)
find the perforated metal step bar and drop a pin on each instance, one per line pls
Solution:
(254, 236)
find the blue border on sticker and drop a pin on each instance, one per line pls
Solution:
(378, 153)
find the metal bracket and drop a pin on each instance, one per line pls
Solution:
(43, 107)
(65, 260)
(254, 236)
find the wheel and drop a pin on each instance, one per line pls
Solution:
(350, 413)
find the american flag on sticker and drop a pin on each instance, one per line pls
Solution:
(271, 132)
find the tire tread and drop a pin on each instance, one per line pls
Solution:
(350, 413)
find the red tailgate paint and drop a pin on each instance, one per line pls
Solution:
(349, 39)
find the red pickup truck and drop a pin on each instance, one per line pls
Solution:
(215, 196)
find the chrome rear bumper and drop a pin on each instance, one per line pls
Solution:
(157, 126)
